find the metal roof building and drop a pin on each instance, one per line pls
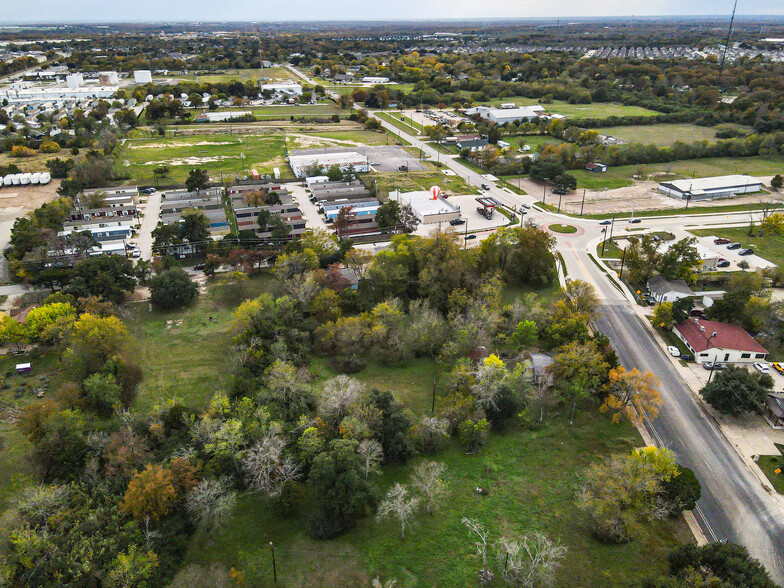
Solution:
(708, 188)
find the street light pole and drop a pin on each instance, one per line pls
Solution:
(274, 567)
(544, 190)
(559, 202)
(583, 203)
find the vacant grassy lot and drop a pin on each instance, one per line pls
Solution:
(228, 153)
(229, 75)
(621, 176)
(419, 180)
(283, 111)
(401, 122)
(531, 477)
(535, 141)
(771, 247)
(664, 134)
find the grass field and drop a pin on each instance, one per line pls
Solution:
(770, 247)
(532, 478)
(534, 141)
(663, 134)
(230, 154)
(400, 121)
(621, 176)
(229, 75)
(769, 464)
(282, 111)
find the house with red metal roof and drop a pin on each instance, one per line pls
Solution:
(719, 342)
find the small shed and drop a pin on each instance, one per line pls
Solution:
(23, 368)
(774, 410)
(596, 167)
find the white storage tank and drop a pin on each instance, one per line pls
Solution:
(8, 179)
(45, 178)
(35, 178)
(25, 179)
(16, 179)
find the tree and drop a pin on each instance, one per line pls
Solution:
(525, 335)
(663, 315)
(343, 493)
(682, 490)
(400, 504)
(94, 341)
(171, 289)
(621, 494)
(565, 181)
(773, 224)
(632, 394)
(737, 391)
(132, 568)
(532, 561)
(372, 455)
(211, 503)
(286, 390)
(388, 214)
(102, 392)
(680, 261)
(578, 370)
(428, 481)
(777, 182)
(339, 395)
(582, 297)
(334, 173)
(50, 322)
(267, 469)
(108, 276)
(197, 180)
(728, 562)
(473, 433)
(125, 453)
(151, 493)
(476, 528)
(344, 220)
(194, 227)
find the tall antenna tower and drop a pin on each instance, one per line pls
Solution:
(727, 42)
(261, 61)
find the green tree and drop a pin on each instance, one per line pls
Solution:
(109, 277)
(727, 562)
(197, 180)
(102, 392)
(737, 391)
(343, 493)
(578, 371)
(388, 214)
(683, 490)
(194, 228)
(663, 315)
(171, 289)
(133, 568)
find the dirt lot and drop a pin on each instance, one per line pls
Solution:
(640, 196)
(16, 202)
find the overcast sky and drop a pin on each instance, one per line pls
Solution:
(210, 10)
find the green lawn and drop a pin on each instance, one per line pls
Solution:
(621, 176)
(663, 134)
(770, 247)
(400, 121)
(769, 464)
(532, 478)
(566, 229)
(534, 141)
(283, 111)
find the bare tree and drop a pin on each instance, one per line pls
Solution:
(399, 503)
(540, 395)
(340, 394)
(266, 469)
(531, 562)
(378, 583)
(485, 575)
(211, 503)
(372, 454)
(428, 481)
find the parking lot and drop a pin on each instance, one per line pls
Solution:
(382, 158)
(474, 220)
(732, 255)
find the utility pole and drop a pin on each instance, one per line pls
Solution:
(583, 203)
(433, 407)
(544, 190)
(727, 42)
(274, 567)
(623, 259)
(688, 197)
(559, 202)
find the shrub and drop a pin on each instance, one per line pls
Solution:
(49, 147)
(171, 289)
(22, 151)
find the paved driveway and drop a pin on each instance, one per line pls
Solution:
(152, 212)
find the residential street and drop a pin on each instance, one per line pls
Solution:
(152, 210)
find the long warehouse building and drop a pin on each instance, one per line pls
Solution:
(710, 188)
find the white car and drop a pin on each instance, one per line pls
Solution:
(762, 367)
(674, 351)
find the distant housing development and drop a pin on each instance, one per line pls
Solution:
(708, 188)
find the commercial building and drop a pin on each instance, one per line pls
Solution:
(222, 116)
(74, 80)
(142, 76)
(31, 95)
(710, 188)
(427, 209)
(507, 115)
(301, 165)
(290, 88)
(108, 78)
(375, 80)
(719, 342)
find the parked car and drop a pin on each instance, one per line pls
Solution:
(722, 263)
(136, 252)
(733, 246)
(560, 191)
(649, 299)
(686, 357)
(469, 237)
(147, 191)
(762, 367)
(457, 221)
(674, 351)
(721, 241)
(778, 367)
(634, 221)
(199, 266)
(524, 205)
(606, 222)
(748, 251)
(485, 186)
(403, 168)
(709, 365)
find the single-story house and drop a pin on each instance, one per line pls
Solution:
(664, 290)
(720, 342)
(596, 167)
(473, 144)
(773, 409)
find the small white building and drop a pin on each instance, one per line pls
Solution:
(427, 209)
(142, 76)
(222, 116)
(283, 88)
(375, 80)
(506, 115)
(664, 290)
(709, 188)
(719, 342)
(709, 259)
